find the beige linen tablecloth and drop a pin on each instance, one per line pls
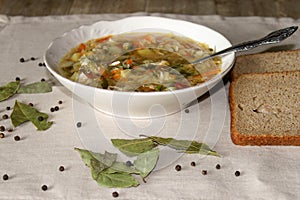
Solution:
(266, 172)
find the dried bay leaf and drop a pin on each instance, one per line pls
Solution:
(36, 87)
(17, 116)
(117, 180)
(90, 161)
(100, 162)
(160, 140)
(110, 173)
(23, 112)
(135, 146)
(185, 146)
(96, 168)
(107, 158)
(122, 167)
(106, 171)
(146, 162)
(200, 148)
(86, 156)
(9, 90)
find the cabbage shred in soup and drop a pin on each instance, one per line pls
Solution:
(142, 62)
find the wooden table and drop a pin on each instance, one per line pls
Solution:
(268, 8)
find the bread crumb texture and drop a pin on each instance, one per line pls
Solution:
(265, 109)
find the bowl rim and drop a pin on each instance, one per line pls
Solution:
(154, 93)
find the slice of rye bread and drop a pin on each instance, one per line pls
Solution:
(265, 109)
(267, 62)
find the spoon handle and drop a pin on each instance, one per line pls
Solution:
(274, 37)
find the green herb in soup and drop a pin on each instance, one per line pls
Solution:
(143, 62)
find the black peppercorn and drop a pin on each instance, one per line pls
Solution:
(5, 177)
(42, 80)
(78, 124)
(2, 128)
(44, 64)
(115, 194)
(18, 79)
(61, 168)
(218, 166)
(60, 102)
(193, 164)
(129, 163)
(10, 130)
(204, 172)
(237, 173)
(22, 60)
(52, 109)
(2, 135)
(44, 187)
(41, 64)
(5, 116)
(177, 167)
(17, 138)
(186, 110)
(30, 104)
(8, 108)
(56, 108)
(40, 118)
(32, 58)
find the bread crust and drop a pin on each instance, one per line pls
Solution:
(261, 140)
(256, 139)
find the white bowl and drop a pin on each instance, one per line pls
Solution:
(137, 104)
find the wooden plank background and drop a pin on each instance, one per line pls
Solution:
(269, 8)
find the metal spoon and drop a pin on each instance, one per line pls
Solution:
(274, 37)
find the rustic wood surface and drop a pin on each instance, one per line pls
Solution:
(269, 8)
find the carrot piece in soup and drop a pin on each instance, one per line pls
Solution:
(103, 38)
(81, 47)
(210, 73)
(129, 61)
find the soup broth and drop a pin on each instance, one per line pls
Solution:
(142, 62)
